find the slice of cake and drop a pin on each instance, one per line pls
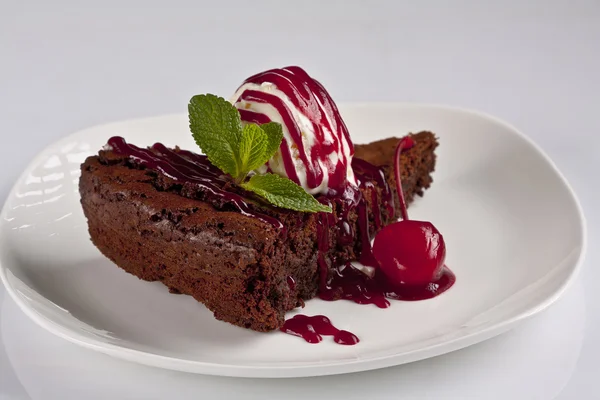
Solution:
(245, 269)
(260, 223)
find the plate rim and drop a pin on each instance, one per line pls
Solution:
(310, 369)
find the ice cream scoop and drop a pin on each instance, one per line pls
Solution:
(316, 151)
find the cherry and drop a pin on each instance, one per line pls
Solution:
(409, 252)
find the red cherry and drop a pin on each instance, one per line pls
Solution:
(410, 252)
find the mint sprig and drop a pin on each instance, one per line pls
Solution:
(238, 150)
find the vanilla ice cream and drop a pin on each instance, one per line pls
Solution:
(316, 151)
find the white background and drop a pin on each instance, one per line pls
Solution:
(68, 65)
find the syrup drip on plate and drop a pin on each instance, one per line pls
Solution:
(312, 329)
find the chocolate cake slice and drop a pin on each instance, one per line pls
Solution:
(170, 216)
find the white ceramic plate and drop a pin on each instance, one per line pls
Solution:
(514, 231)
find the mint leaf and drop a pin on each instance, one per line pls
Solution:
(284, 193)
(275, 135)
(253, 148)
(216, 126)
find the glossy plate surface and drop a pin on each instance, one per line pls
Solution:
(513, 228)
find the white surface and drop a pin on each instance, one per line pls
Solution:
(511, 260)
(532, 63)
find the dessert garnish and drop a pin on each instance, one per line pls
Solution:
(240, 150)
(409, 252)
